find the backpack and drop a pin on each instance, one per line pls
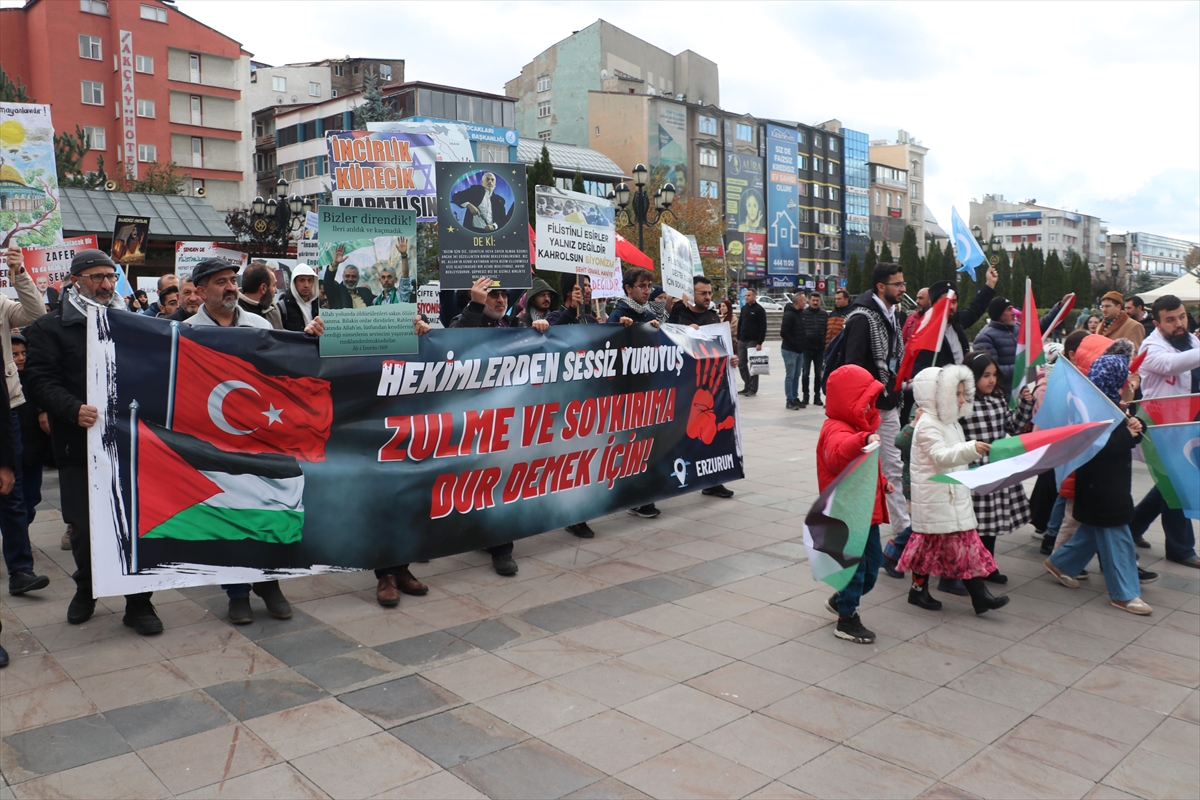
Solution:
(835, 356)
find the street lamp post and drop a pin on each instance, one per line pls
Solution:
(283, 212)
(636, 205)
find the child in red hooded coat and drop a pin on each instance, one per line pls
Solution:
(852, 420)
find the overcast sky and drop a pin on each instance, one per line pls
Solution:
(1088, 106)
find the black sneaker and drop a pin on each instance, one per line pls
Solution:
(889, 567)
(792, 405)
(831, 604)
(1146, 576)
(277, 605)
(140, 616)
(81, 609)
(23, 580)
(817, 401)
(648, 511)
(802, 403)
(717, 491)
(504, 565)
(851, 629)
(1047, 545)
(240, 612)
(744, 392)
(581, 530)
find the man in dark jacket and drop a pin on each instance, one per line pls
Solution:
(634, 308)
(999, 337)
(539, 302)
(1135, 308)
(752, 332)
(815, 320)
(57, 375)
(872, 341)
(791, 331)
(837, 317)
(484, 210)
(346, 293)
(257, 295)
(577, 302)
(190, 301)
(955, 345)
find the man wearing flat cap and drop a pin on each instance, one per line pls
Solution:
(56, 374)
(1116, 323)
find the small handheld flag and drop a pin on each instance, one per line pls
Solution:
(1177, 473)
(1030, 353)
(966, 249)
(1014, 459)
(1071, 399)
(928, 336)
(836, 528)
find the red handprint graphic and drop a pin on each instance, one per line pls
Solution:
(710, 371)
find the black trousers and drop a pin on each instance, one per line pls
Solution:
(1041, 501)
(73, 483)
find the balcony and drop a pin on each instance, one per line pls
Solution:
(265, 142)
(203, 79)
(207, 162)
(200, 121)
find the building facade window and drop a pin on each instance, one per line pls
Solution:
(314, 89)
(145, 108)
(491, 153)
(144, 64)
(1054, 237)
(802, 162)
(818, 164)
(803, 187)
(543, 109)
(93, 93)
(707, 125)
(278, 83)
(154, 14)
(834, 193)
(543, 83)
(339, 70)
(833, 145)
(544, 135)
(99, 7)
(745, 133)
(817, 140)
(147, 152)
(710, 189)
(818, 190)
(708, 157)
(89, 47)
(833, 168)
(94, 138)
(385, 71)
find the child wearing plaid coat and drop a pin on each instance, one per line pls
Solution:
(1005, 510)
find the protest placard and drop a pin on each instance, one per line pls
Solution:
(48, 266)
(375, 331)
(483, 225)
(575, 232)
(675, 256)
(392, 165)
(479, 438)
(429, 303)
(366, 256)
(189, 254)
(608, 285)
(29, 206)
(131, 236)
(697, 267)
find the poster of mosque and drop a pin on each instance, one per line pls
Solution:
(29, 206)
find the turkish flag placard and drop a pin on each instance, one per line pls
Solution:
(224, 400)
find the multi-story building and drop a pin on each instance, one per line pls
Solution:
(313, 81)
(822, 208)
(856, 232)
(890, 208)
(1047, 228)
(1160, 256)
(553, 90)
(907, 154)
(144, 81)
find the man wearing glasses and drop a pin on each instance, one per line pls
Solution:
(56, 373)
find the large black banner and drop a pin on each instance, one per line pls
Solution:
(229, 454)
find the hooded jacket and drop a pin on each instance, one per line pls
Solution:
(791, 330)
(939, 446)
(525, 320)
(851, 417)
(292, 307)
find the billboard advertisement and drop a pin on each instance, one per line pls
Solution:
(745, 212)
(783, 201)
(672, 143)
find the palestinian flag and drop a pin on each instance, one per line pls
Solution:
(1030, 352)
(188, 489)
(835, 530)
(1015, 459)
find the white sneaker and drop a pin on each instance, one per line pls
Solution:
(1135, 606)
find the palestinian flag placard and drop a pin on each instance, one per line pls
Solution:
(1015, 459)
(836, 528)
(189, 490)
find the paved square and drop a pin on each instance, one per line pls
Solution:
(688, 655)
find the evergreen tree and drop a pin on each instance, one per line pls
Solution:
(540, 173)
(1054, 281)
(1081, 281)
(932, 272)
(885, 253)
(950, 266)
(1037, 269)
(12, 91)
(910, 260)
(577, 181)
(1004, 271)
(853, 276)
(373, 107)
(1017, 285)
(868, 269)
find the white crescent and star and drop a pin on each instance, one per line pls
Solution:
(1080, 408)
(216, 411)
(1189, 451)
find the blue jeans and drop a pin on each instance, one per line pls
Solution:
(864, 577)
(1057, 515)
(1115, 548)
(1181, 539)
(233, 590)
(14, 517)
(812, 361)
(895, 548)
(791, 374)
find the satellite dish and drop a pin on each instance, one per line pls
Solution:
(649, 90)
(603, 74)
(293, 98)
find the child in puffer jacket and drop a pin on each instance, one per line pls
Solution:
(944, 540)
(895, 545)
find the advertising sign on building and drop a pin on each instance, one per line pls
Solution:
(129, 147)
(392, 165)
(29, 210)
(575, 232)
(783, 202)
(483, 225)
(745, 212)
(672, 143)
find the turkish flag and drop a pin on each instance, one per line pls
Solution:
(631, 255)
(928, 336)
(224, 400)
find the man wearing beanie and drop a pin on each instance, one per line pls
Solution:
(955, 344)
(1116, 324)
(999, 337)
(56, 373)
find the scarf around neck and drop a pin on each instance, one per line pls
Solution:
(1109, 328)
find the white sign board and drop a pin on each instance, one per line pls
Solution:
(697, 267)
(429, 303)
(189, 254)
(575, 232)
(675, 256)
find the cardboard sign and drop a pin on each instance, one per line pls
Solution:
(375, 331)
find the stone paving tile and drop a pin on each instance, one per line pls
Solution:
(148, 724)
(96, 659)
(122, 776)
(1090, 712)
(746, 685)
(1158, 665)
(1083, 753)
(676, 659)
(312, 727)
(459, 735)
(541, 708)
(846, 773)
(135, 685)
(1007, 688)
(306, 646)
(825, 713)
(529, 770)
(915, 745)
(613, 683)
(440, 786)
(689, 771)
(999, 773)
(361, 667)
(194, 761)
(484, 676)
(491, 634)
(399, 701)
(60, 747)
(800, 662)
(420, 650)
(1132, 689)
(365, 767)
(614, 637)
(683, 711)
(611, 741)
(877, 686)
(44, 705)
(280, 780)
(765, 745)
(265, 694)
(561, 616)
(981, 720)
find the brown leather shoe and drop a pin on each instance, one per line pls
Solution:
(386, 592)
(409, 584)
